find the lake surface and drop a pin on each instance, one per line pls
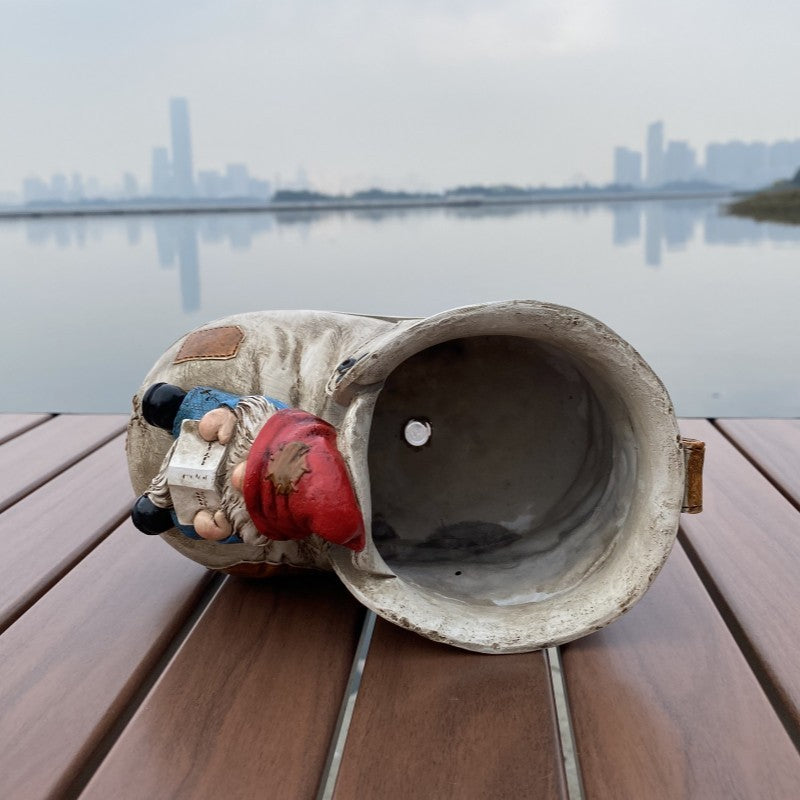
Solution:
(710, 301)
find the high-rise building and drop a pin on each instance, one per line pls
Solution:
(59, 187)
(76, 187)
(237, 180)
(741, 164)
(161, 174)
(130, 186)
(260, 189)
(209, 183)
(182, 170)
(655, 154)
(679, 163)
(784, 159)
(627, 167)
(34, 189)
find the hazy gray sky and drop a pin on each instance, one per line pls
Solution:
(405, 94)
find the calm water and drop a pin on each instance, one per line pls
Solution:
(710, 301)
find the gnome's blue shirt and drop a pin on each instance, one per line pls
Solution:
(195, 405)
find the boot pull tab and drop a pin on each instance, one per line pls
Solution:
(694, 452)
(337, 385)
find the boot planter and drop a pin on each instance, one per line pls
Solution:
(501, 477)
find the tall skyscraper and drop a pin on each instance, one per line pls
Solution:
(627, 167)
(655, 154)
(182, 170)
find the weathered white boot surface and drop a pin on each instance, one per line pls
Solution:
(517, 466)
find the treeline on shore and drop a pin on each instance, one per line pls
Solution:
(477, 191)
(779, 203)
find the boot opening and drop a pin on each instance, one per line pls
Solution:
(523, 483)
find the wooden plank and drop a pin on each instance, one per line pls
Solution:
(774, 445)
(70, 664)
(29, 460)
(748, 541)
(50, 530)
(249, 704)
(12, 425)
(432, 721)
(664, 704)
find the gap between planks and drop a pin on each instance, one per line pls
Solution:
(569, 751)
(559, 690)
(37, 511)
(68, 462)
(333, 762)
(98, 755)
(67, 567)
(327, 786)
(26, 423)
(755, 463)
(748, 650)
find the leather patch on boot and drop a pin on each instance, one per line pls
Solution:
(211, 343)
(694, 453)
(287, 466)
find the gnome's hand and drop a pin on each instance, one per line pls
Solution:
(237, 476)
(217, 425)
(215, 527)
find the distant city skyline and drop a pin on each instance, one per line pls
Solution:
(741, 165)
(415, 96)
(733, 163)
(171, 175)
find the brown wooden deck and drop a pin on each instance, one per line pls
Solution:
(127, 671)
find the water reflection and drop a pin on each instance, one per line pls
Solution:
(668, 224)
(177, 237)
(189, 263)
(653, 234)
(134, 229)
(119, 289)
(675, 223)
(627, 223)
(672, 221)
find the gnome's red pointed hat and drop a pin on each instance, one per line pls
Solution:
(296, 482)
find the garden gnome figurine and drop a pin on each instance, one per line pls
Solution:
(283, 477)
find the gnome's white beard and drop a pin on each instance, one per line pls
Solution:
(251, 415)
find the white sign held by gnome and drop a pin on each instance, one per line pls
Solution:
(192, 473)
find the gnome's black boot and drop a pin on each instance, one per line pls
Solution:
(149, 518)
(160, 404)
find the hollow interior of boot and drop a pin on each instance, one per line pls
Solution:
(524, 484)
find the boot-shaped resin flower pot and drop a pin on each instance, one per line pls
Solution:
(501, 477)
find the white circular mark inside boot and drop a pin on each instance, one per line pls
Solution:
(417, 432)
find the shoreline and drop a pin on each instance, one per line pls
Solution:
(125, 208)
(776, 205)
